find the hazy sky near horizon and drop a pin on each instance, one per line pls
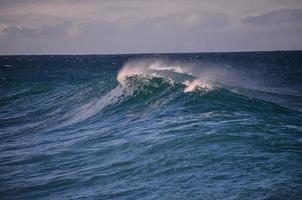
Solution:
(139, 26)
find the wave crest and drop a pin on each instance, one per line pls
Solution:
(175, 72)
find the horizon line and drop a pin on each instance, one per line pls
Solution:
(149, 53)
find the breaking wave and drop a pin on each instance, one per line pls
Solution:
(144, 82)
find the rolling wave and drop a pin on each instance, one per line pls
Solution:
(142, 83)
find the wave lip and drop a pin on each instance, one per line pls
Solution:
(174, 72)
(191, 86)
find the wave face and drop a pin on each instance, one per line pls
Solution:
(162, 126)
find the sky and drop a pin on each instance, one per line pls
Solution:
(154, 26)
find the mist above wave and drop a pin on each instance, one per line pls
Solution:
(177, 72)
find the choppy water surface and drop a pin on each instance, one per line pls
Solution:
(162, 126)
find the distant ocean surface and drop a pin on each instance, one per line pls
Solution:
(153, 126)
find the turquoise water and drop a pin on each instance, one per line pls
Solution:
(157, 126)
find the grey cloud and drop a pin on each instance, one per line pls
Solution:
(20, 32)
(16, 32)
(28, 19)
(182, 22)
(193, 19)
(63, 31)
(119, 8)
(185, 22)
(277, 18)
(125, 26)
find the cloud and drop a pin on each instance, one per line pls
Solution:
(196, 19)
(277, 18)
(29, 20)
(20, 32)
(124, 26)
(184, 22)
(181, 22)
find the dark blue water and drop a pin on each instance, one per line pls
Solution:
(162, 126)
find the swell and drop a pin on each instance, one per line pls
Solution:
(159, 94)
(142, 86)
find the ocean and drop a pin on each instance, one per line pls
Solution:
(151, 126)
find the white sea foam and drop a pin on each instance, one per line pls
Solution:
(162, 66)
(159, 68)
(191, 86)
(148, 67)
(128, 71)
